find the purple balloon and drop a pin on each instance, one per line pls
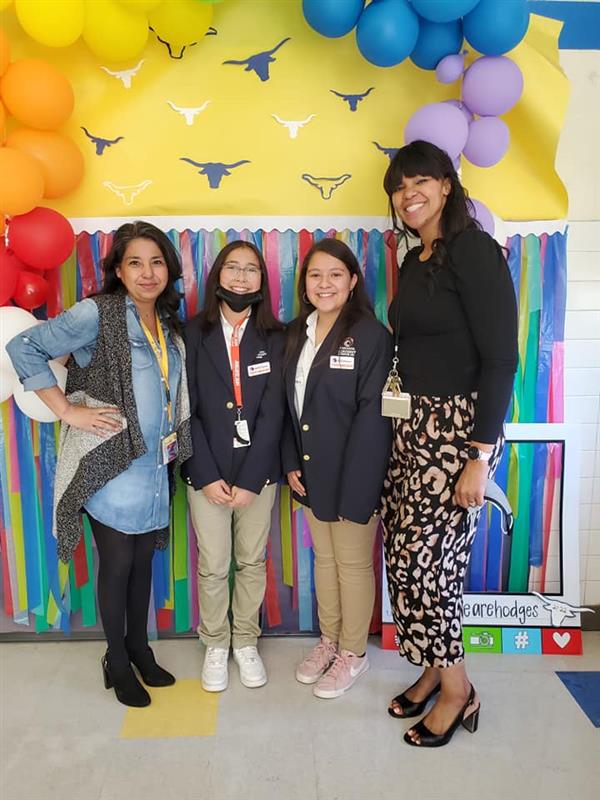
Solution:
(484, 216)
(460, 105)
(492, 85)
(441, 124)
(487, 141)
(450, 68)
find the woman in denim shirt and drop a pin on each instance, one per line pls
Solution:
(130, 507)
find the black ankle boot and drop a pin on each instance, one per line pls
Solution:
(152, 674)
(128, 689)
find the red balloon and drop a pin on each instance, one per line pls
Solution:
(43, 238)
(9, 271)
(32, 290)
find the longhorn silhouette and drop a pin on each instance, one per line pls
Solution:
(389, 151)
(100, 143)
(124, 75)
(259, 62)
(352, 99)
(293, 126)
(215, 171)
(326, 186)
(127, 193)
(188, 113)
(560, 610)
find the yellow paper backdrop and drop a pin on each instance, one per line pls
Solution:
(237, 123)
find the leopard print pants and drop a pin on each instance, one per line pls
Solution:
(427, 536)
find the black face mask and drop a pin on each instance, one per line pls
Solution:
(238, 302)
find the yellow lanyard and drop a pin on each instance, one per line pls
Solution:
(162, 357)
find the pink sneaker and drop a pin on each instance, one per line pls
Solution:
(317, 661)
(342, 675)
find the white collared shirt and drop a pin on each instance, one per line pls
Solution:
(307, 356)
(228, 331)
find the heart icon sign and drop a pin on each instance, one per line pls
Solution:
(561, 639)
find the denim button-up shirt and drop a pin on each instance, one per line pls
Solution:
(137, 500)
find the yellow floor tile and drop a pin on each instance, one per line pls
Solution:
(184, 709)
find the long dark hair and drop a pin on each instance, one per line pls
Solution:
(424, 158)
(358, 304)
(167, 303)
(263, 316)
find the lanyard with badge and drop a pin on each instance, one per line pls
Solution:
(169, 443)
(394, 402)
(241, 436)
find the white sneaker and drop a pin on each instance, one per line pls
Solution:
(252, 670)
(215, 675)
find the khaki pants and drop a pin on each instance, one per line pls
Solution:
(217, 527)
(344, 580)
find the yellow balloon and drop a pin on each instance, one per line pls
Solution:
(114, 32)
(141, 5)
(56, 24)
(181, 22)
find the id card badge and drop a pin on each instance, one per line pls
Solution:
(242, 434)
(170, 448)
(395, 405)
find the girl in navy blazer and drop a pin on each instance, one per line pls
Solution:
(234, 363)
(335, 449)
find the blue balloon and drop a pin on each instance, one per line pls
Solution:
(387, 32)
(331, 17)
(443, 10)
(496, 26)
(436, 40)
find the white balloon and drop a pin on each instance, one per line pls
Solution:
(7, 380)
(13, 320)
(30, 404)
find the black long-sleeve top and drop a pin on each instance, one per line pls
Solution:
(458, 327)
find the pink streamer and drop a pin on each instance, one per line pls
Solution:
(271, 252)
(190, 286)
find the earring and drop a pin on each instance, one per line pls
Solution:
(305, 299)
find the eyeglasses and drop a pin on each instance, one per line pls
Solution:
(235, 271)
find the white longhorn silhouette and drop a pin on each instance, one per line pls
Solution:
(560, 610)
(127, 193)
(293, 126)
(125, 75)
(188, 113)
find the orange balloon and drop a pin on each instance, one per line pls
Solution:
(2, 123)
(4, 51)
(2, 224)
(59, 158)
(37, 94)
(22, 184)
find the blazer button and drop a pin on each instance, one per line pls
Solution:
(229, 404)
(306, 457)
(305, 427)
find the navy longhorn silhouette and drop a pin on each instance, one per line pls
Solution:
(353, 99)
(326, 186)
(100, 143)
(215, 171)
(259, 62)
(389, 151)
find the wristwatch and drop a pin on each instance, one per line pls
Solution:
(475, 454)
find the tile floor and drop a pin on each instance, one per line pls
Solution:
(61, 733)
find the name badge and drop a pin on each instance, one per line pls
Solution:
(341, 362)
(259, 369)
(242, 433)
(170, 448)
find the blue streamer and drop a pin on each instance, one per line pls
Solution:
(305, 611)
(536, 524)
(28, 493)
(496, 539)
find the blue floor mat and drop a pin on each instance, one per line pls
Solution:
(585, 688)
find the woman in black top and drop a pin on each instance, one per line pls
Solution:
(455, 321)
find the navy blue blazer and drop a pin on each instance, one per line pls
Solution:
(213, 408)
(341, 442)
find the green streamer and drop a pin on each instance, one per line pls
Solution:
(180, 559)
(285, 519)
(88, 595)
(519, 555)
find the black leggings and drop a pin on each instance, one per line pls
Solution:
(124, 582)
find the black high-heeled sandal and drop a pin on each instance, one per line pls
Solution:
(128, 689)
(429, 739)
(411, 708)
(152, 673)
